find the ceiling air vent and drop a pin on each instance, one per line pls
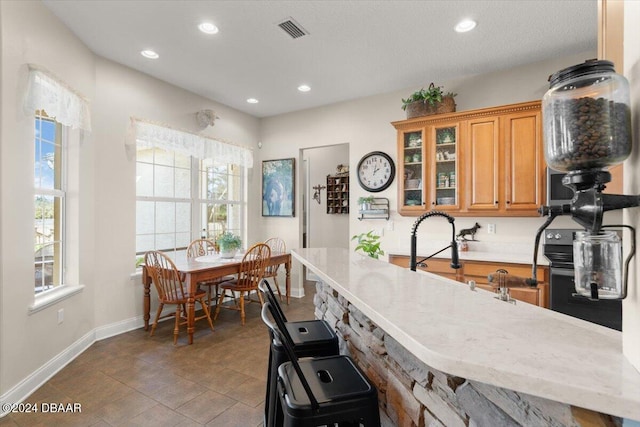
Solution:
(292, 28)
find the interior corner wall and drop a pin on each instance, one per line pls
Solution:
(31, 34)
(122, 93)
(631, 305)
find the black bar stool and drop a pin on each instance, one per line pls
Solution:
(321, 390)
(311, 338)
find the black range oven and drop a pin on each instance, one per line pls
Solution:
(558, 249)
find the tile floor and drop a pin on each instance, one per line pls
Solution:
(136, 380)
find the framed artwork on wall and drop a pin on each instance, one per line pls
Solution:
(278, 187)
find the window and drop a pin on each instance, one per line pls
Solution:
(178, 196)
(50, 190)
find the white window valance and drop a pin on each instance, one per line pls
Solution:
(57, 99)
(145, 134)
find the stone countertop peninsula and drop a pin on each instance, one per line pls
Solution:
(511, 253)
(473, 335)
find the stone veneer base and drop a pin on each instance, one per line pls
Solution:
(411, 393)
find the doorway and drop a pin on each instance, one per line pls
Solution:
(320, 229)
(318, 162)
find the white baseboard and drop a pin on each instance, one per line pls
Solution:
(36, 379)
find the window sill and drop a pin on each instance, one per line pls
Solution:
(49, 298)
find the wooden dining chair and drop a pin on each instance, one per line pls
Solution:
(277, 245)
(202, 247)
(250, 274)
(172, 290)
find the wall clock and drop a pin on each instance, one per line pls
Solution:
(376, 171)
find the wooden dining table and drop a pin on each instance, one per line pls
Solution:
(207, 268)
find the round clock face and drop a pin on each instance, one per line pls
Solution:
(376, 171)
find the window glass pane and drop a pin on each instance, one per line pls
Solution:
(144, 243)
(234, 217)
(235, 188)
(165, 217)
(49, 199)
(145, 217)
(183, 239)
(167, 199)
(163, 157)
(183, 183)
(144, 155)
(165, 242)
(47, 266)
(47, 154)
(144, 178)
(183, 217)
(163, 181)
(182, 161)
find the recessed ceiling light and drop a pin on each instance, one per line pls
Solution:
(304, 88)
(149, 54)
(252, 101)
(465, 25)
(208, 28)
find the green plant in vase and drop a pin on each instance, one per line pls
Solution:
(229, 244)
(369, 244)
(365, 202)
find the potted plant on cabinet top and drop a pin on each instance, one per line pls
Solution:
(229, 244)
(369, 244)
(429, 101)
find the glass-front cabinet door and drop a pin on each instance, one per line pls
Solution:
(444, 176)
(412, 160)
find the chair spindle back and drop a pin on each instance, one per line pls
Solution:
(165, 276)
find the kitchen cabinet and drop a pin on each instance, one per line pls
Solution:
(429, 159)
(487, 162)
(505, 164)
(338, 194)
(479, 272)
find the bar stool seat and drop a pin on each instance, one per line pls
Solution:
(311, 338)
(317, 391)
(342, 391)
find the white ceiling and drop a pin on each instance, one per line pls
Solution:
(354, 48)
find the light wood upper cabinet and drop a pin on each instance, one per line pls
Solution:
(487, 162)
(484, 174)
(524, 162)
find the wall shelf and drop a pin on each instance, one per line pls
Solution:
(378, 209)
(338, 194)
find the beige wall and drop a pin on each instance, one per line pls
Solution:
(365, 124)
(30, 34)
(111, 300)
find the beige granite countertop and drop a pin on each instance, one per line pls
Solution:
(471, 334)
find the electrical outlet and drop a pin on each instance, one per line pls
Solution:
(60, 316)
(390, 225)
(491, 228)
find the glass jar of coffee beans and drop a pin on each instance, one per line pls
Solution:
(586, 117)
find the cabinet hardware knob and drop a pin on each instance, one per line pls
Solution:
(508, 201)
